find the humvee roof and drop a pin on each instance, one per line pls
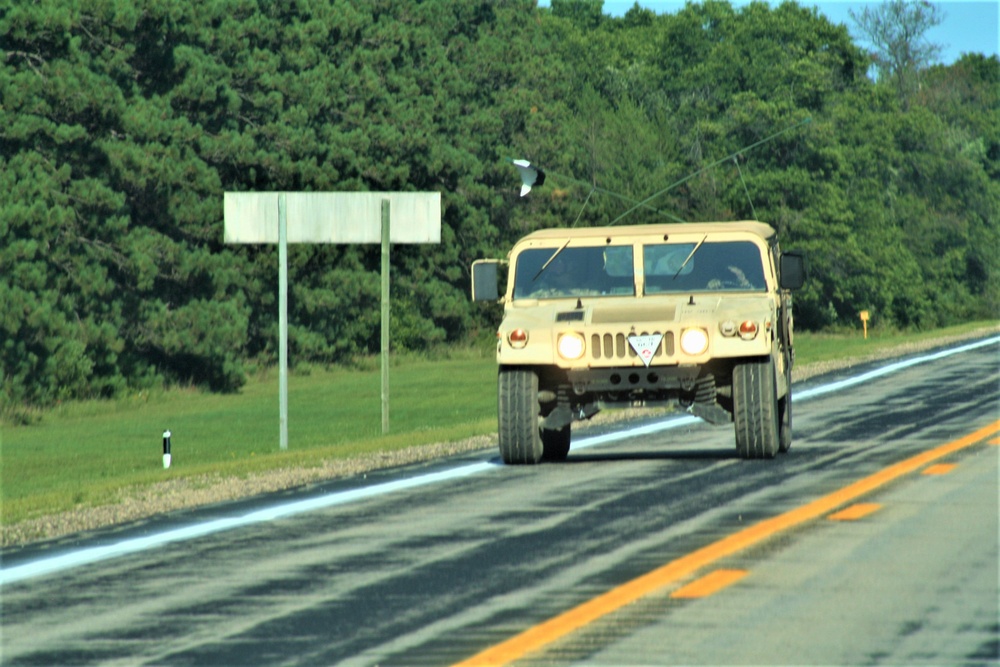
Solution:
(761, 229)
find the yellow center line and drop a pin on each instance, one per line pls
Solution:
(556, 628)
(939, 469)
(709, 584)
(855, 511)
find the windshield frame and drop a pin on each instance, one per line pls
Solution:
(635, 272)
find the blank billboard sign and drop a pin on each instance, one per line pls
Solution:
(333, 217)
(330, 217)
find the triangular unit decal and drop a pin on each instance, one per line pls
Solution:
(645, 346)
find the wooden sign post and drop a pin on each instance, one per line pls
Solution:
(330, 217)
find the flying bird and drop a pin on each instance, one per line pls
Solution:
(530, 176)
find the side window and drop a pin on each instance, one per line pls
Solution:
(618, 277)
(618, 261)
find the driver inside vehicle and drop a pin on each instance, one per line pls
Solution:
(731, 276)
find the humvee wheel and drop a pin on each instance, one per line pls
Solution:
(555, 443)
(517, 413)
(755, 409)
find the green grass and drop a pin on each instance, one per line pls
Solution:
(817, 347)
(84, 453)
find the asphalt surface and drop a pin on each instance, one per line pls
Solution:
(432, 574)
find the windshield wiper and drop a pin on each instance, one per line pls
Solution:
(688, 259)
(550, 260)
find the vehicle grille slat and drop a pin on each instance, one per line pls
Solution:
(616, 346)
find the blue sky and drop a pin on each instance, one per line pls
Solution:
(969, 26)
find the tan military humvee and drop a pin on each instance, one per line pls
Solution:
(697, 314)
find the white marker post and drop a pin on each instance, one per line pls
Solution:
(329, 217)
(166, 449)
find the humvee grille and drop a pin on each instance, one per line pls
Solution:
(616, 346)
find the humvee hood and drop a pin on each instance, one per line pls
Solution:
(658, 309)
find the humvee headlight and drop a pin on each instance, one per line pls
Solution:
(517, 338)
(570, 345)
(694, 341)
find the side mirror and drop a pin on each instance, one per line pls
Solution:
(485, 283)
(792, 270)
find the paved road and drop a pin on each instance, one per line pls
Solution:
(437, 573)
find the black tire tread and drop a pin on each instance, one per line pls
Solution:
(755, 409)
(517, 414)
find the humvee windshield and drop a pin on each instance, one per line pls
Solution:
(607, 270)
(726, 266)
(574, 272)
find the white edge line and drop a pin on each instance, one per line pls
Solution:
(135, 545)
(890, 369)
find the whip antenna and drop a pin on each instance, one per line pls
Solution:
(752, 210)
(687, 178)
(583, 207)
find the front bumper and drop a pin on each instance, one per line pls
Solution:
(655, 379)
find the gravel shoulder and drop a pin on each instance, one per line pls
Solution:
(135, 504)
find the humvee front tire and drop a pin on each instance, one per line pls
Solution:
(755, 409)
(518, 416)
